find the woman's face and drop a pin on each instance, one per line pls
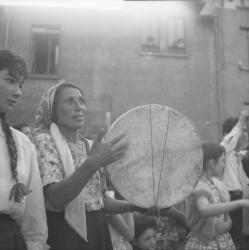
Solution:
(70, 110)
(147, 240)
(219, 166)
(9, 91)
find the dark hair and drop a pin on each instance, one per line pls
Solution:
(142, 223)
(14, 63)
(16, 67)
(10, 145)
(57, 97)
(228, 124)
(211, 150)
(20, 126)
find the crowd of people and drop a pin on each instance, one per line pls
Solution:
(55, 195)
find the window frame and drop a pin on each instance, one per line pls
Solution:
(46, 30)
(163, 43)
(245, 65)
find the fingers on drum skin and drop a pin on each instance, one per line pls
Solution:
(119, 155)
(121, 147)
(117, 139)
(100, 135)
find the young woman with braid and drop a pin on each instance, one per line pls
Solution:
(22, 214)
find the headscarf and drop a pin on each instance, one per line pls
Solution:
(75, 211)
(43, 116)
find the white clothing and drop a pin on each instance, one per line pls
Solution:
(234, 175)
(233, 172)
(75, 213)
(30, 212)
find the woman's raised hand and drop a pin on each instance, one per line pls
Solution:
(105, 153)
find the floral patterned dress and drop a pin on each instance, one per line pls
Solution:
(221, 242)
(52, 171)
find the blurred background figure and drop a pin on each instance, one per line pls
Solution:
(235, 142)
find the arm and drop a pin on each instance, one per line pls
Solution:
(34, 222)
(176, 214)
(59, 190)
(125, 228)
(112, 206)
(230, 140)
(208, 210)
(224, 226)
(59, 194)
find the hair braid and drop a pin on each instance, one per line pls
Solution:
(11, 146)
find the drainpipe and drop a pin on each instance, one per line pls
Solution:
(219, 65)
(6, 35)
(108, 114)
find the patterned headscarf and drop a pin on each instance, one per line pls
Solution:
(43, 117)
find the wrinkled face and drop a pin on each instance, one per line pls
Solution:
(147, 240)
(10, 91)
(219, 166)
(70, 109)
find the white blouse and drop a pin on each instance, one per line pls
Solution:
(30, 212)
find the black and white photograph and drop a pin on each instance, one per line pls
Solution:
(124, 124)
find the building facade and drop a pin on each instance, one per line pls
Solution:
(195, 60)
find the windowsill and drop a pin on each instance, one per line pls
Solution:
(163, 54)
(43, 76)
(246, 7)
(243, 68)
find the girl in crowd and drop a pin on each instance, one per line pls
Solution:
(22, 214)
(145, 233)
(208, 206)
(69, 164)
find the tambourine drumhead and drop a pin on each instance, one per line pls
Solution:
(164, 157)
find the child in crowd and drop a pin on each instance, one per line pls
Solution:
(145, 233)
(166, 234)
(207, 208)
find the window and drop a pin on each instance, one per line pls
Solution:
(164, 36)
(244, 60)
(45, 50)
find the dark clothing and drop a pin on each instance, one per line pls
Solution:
(236, 216)
(10, 234)
(62, 237)
(245, 164)
(136, 247)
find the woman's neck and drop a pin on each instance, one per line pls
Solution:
(207, 175)
(69, 134)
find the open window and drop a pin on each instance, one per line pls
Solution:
(163, 36)
(45, 50)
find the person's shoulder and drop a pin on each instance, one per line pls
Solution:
(21, 136)
(201, 189)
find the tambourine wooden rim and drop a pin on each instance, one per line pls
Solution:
(164, 158)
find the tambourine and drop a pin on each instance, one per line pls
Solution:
(164, 158)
